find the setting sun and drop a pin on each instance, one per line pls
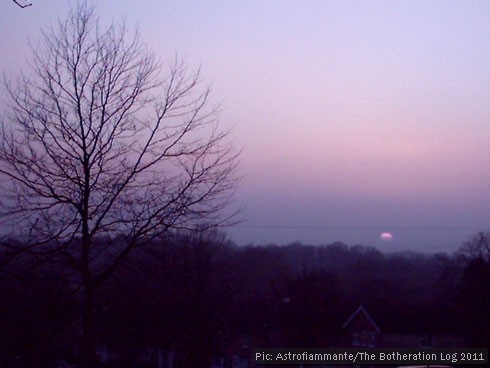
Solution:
(386, 236)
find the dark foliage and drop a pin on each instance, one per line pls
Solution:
(196, 294)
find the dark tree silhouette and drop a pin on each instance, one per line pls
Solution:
(101, 151)
(174, 294)
(310, 310)
(193, 269)
(475, 294)
(475, 288)
(478, 246)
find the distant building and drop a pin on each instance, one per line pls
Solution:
(402, 327)
(360, 330)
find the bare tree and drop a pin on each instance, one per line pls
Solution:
(477, 246)
(100, 143)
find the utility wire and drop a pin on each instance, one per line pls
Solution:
(356, 228)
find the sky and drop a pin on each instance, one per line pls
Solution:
(354, 117)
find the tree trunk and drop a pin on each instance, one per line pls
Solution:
(88, 359)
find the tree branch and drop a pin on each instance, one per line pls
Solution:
(22, 6)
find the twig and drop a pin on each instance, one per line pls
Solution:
(22, 6)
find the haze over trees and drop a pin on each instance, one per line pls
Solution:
(104, 149)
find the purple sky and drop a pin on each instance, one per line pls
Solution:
(354, 117)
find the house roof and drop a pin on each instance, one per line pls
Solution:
(394, 318)
(361, 311)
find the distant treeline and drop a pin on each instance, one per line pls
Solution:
(195, 293)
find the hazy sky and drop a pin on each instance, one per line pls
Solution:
(355, 117)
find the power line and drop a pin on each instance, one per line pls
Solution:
(355, 228)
